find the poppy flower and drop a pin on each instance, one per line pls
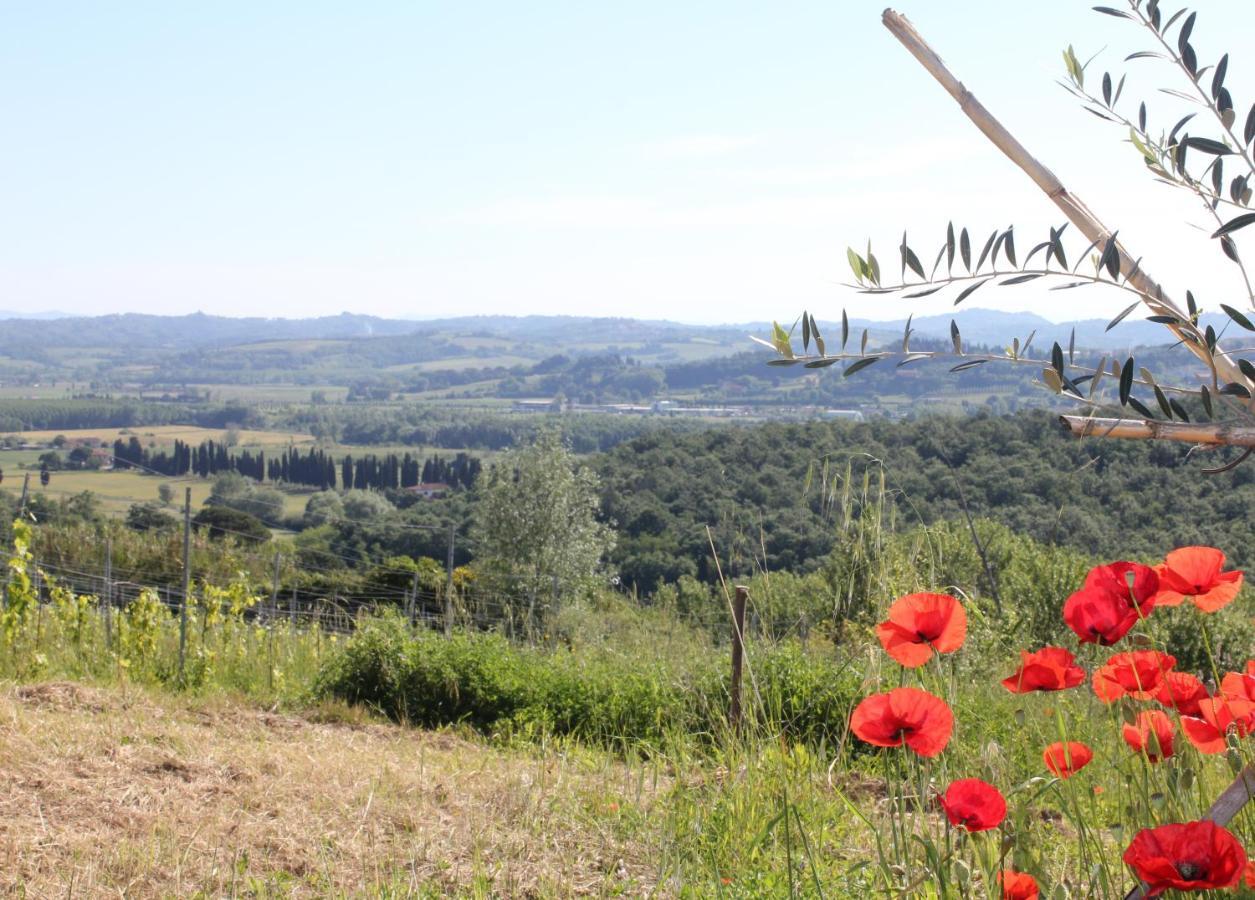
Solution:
(904, 715)
(1238, 686)
(974, 804)
(1194, 572)
(1182, 691)
(1018, 885)
(1139, 675)
(1048, 669)
(1152, 733)
(1217, 717)
(1189, 856)
(1114, 598)
(1065, 760)
(920, 624)
(1248, 876)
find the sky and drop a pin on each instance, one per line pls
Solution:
(705, 162)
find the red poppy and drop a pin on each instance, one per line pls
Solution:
(1113, 599)
(1048, 669)
(904, 715)
(1250, 667)
(920, 624)
(1192, 856)
(1217, 717)
(974, 804)
(1182, 691)
(1018, 885)
(1065, 760)
(1238, 686)
(1248, 876)
(1194, 572)
(1151, 733)
(1139, 675)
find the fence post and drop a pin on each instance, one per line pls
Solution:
(108, 593)
(26, 486)
(738, 652)
(270, 625)
(187, 577)
(411, 602)
(448, 585)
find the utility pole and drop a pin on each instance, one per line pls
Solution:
(448, 587)
(411, 601)
(187, 577)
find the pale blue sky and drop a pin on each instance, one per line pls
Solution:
(700, 161)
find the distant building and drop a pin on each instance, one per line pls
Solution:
(553, 405)
(429, 490)
(853, 415)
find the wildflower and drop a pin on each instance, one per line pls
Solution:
(1248, 876)
(1017, 885)
(1139, 675)
(974, 804)
(1048, 669)
(1190, 856)
(920, 624)
(907, 716)
(1065, 760)
(1181, 691)
(1217, 717)
(1194, 572)
(1238, 686)
(1151, 733)
(1112, 600)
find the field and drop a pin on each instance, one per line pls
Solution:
(164, 435)
(137, 793)
(117, 491)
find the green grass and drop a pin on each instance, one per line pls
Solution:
(117, 491)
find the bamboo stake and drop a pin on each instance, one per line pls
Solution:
(1076, 211)
(1151, 430)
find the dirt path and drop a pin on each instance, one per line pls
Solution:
(137, 794)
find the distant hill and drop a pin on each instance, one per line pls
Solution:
(24, 331)
(994, 328)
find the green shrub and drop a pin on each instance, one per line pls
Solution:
(592, 694)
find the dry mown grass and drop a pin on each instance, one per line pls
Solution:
(128, 793)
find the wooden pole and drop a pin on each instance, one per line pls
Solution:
(1151, 430)
(448, 585)
(1222, 812)
(738, 655)
(187, 577)
(270, 625)
(1076, 211)
(108, 593)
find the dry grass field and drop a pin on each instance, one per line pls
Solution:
(126, 793)
(163, 435)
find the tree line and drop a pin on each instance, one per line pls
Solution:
(313, 467)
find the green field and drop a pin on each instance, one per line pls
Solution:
(117, 491)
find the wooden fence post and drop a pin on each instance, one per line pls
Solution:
(738, 653)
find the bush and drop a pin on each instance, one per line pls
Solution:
(594, 695)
